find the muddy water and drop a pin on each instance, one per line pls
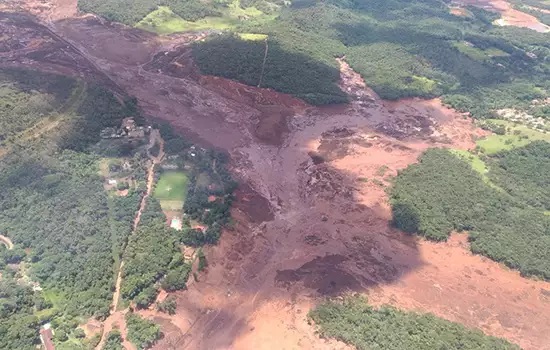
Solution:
(305, 226)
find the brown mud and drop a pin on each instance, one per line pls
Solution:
(311, 218)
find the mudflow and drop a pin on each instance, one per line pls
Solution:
(311, 216)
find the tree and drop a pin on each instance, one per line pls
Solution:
(168, 306)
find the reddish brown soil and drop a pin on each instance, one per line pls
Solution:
(510, 16)
(307, 225)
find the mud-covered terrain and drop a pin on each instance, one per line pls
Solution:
(311, 216)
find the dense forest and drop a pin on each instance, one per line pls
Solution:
(355, 322)
(132, 11)
(53, 204)
(505, 221)
(114, 341)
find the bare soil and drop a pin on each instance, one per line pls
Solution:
(6, 241)
(310, 221)
(510, 16)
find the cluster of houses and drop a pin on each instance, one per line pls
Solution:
(128, 129)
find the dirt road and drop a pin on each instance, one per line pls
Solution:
(117, 317)
(6, 241)
(311, 216)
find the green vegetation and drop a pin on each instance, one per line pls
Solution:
(68, 232)
(141, 332)
(225, 16)
(171, 189)
(70, 226)
(168, 306)
(517, 135)
(287, 72)
(114, 341)
(357, 323)
(18, 324)
(53, 200)
(141, 272)
(524, 173)
(505, 222)
(132, 11)
(401, 48)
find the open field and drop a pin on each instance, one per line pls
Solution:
(164, 21)
(517, 136)
(171, 190)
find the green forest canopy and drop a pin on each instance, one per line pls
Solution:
(401, 48)
(505, 222)
(357, 323)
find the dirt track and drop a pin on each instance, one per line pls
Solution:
(117, 317)
(308, 225)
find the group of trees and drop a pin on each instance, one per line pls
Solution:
(505, 221)
(355, 322)
(290, 72)
(141, 332)
(114, 341)
(18, 324)
(168, 305)
(141, 272)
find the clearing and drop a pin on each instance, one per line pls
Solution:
(171, 190)
(517, 135)
(164, 21)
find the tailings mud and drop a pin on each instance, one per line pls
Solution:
(313, 216)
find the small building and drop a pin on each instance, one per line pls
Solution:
(176, 223)
(46, 335)
(112, 182)
(128, 124)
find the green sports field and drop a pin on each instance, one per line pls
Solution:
(171, 190)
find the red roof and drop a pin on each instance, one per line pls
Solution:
(46, 338)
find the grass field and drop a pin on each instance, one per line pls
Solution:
(171, 190)
(164, 21)
(496, 143)
(252, 36)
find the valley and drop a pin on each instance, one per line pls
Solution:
(312, 216)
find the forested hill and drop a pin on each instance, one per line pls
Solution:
(402, 48)
(53, 206)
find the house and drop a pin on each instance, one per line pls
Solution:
(112, 182)
(46, 335)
